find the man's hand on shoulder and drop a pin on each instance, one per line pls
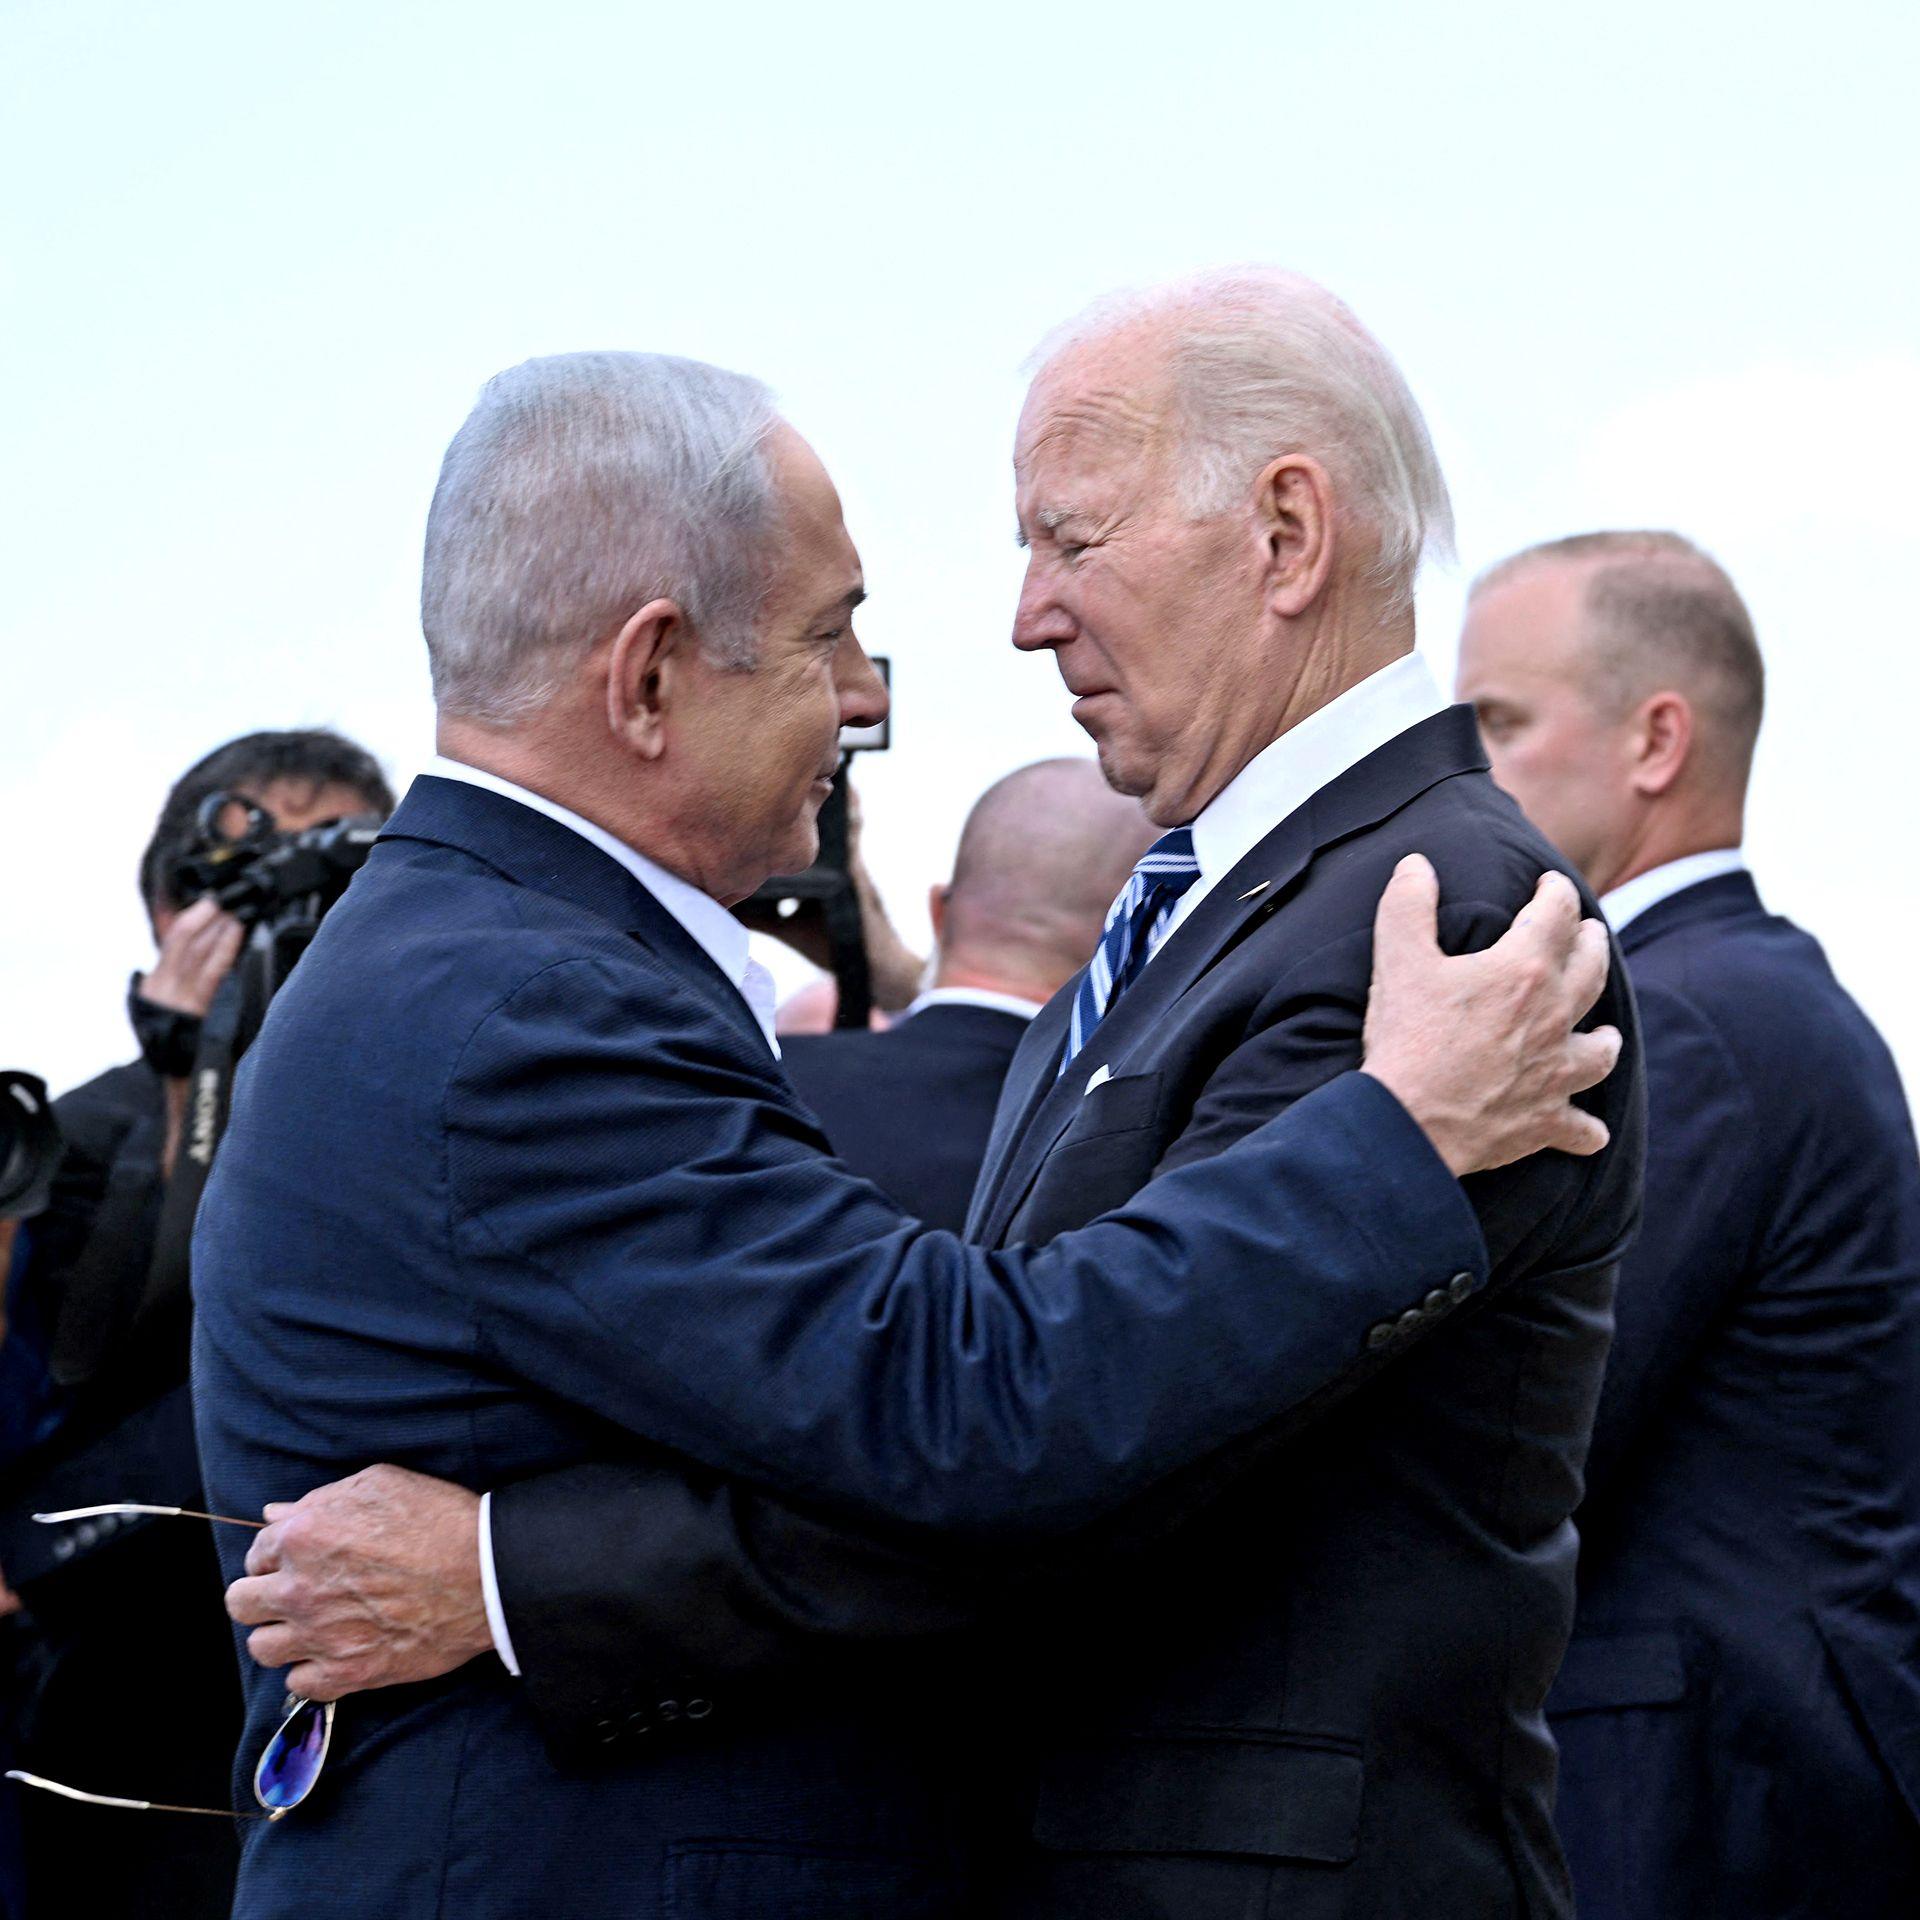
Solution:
(373, 1581)
(1480, 1047)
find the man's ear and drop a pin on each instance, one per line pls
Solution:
(648, 655)
(1293, 499)
(1662, 742)
(937, 907)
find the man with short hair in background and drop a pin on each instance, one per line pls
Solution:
(1739, 1711)
(1041, 856)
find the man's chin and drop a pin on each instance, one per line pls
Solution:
(802, 846)
(1124, 773)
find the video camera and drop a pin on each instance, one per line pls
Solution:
(279, 885)
(276, 884)
(259, 874)
(29, 1145)
(826, 888)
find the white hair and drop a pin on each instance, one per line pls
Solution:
(581, 487)
(1265, 363)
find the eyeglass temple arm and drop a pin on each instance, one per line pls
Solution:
(131, 1506)
(132, 1806)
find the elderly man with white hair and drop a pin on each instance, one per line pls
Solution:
(1238, 1437)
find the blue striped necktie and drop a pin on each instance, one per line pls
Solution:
(1136, 925)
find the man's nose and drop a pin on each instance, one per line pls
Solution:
(1039, 620)
(864, 699)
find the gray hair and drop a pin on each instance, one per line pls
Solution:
(1663, 613)
(1267, 362)
(581, 487)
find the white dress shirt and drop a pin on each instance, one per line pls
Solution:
(1631, 899)
(1284, 776)
(1011, 1003)
(718, 934)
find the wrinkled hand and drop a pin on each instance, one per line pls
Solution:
(197, 953)
(372, 1581)
(1480, 1048)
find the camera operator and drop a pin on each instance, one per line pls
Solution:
(118, 1321)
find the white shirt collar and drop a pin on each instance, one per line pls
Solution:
(973, 997)
(713, 929)
(1284, 776)
(1633, 897)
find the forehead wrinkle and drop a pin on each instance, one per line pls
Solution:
(1120, 417)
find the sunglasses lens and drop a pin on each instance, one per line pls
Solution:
(292, 1760)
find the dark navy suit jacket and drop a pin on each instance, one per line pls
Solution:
(1305, 1676)
(911, 1107)
(513, 1181)
(1739, 1714)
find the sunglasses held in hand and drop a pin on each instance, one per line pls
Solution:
(289, 1764)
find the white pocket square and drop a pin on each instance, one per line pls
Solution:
(1098, 1078)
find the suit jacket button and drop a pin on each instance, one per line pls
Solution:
(638, 1723)
(1377, 1337)
(1412, 1318)
(668, 1710)
(1438, 1301)
(699, 1709)
(607, 1731)
(1459, 1287)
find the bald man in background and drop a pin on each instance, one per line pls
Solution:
(1041, 856)
(1739, 1710)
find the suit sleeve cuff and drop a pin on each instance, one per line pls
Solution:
(1415, 1192)
(490, 1591)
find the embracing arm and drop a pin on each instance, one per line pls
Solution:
(654, 1235)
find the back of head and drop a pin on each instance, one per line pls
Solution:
(581, 487)
(1265, 362)
(313, 758)
(1041, 857)
(1660, 614)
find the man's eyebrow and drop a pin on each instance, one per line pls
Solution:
(845, 604)
(1048, 520)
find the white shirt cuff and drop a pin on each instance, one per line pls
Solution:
(490, 1591)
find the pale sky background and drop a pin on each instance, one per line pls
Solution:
(1643, 264)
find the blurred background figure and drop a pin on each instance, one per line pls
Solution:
(110, 1315)
(891, 970)
(815, 1007)
(1041, 856)
(1739, 1711)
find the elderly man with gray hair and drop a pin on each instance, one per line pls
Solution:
(1192, 1537)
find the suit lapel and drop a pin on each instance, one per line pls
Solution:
(1244, 897)
(1026, 1132)
(1029, 1079)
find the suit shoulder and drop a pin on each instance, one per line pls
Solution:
(1489, 858)
(1764, 988)
(1485, 850)
(407, 971)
